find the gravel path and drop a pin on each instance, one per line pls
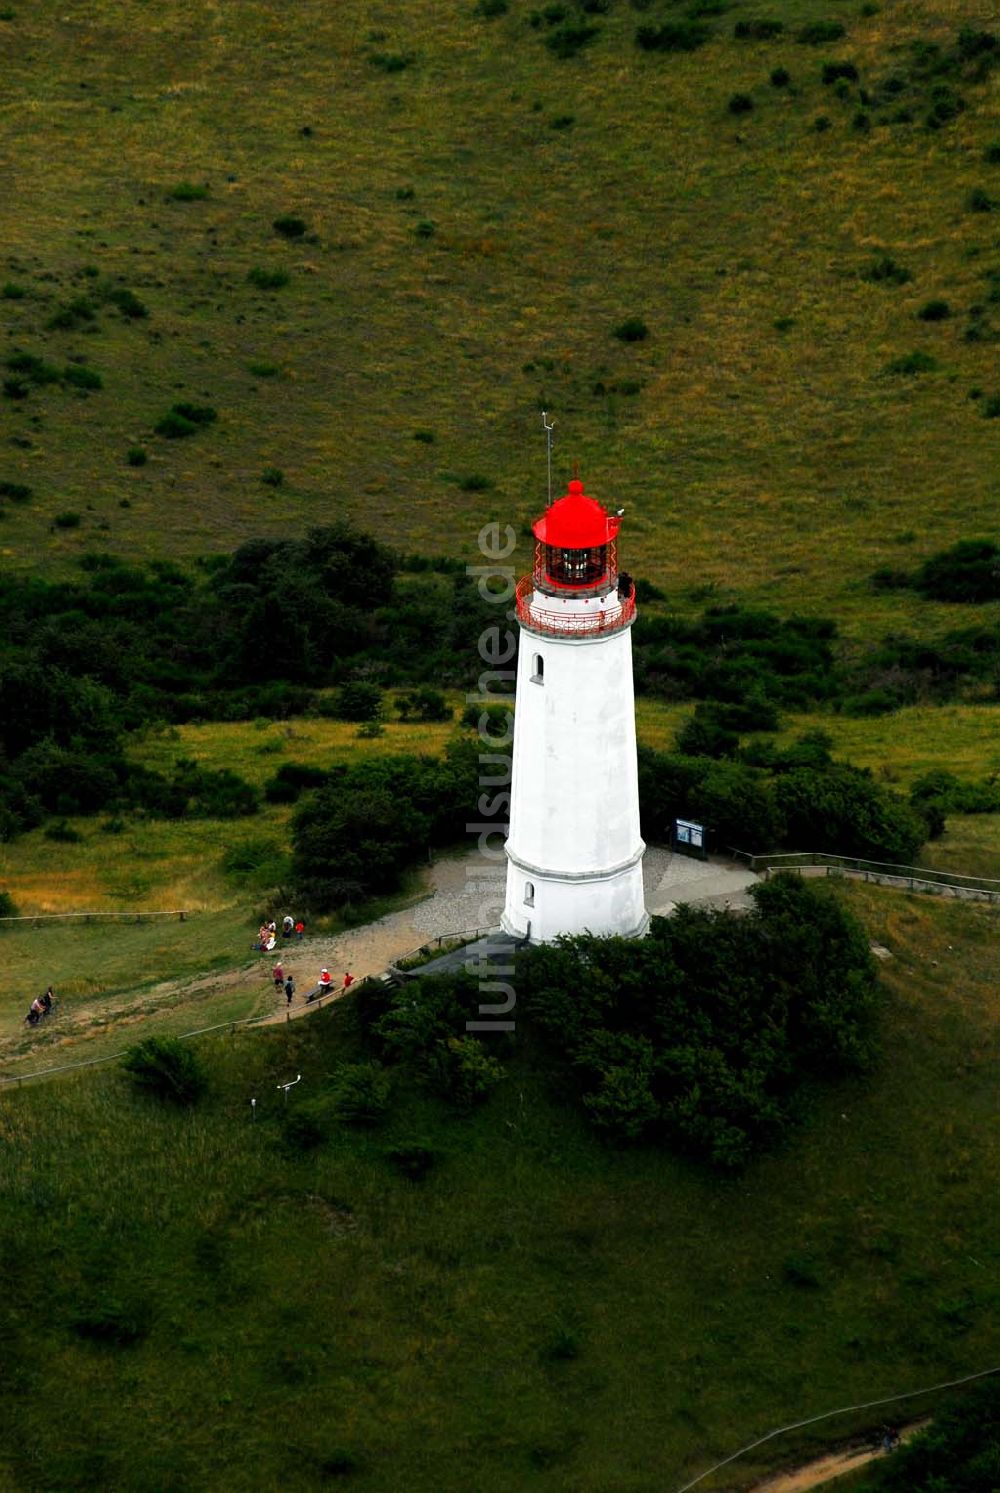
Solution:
(466, 892)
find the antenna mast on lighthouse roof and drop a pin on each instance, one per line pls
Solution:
(548, 427)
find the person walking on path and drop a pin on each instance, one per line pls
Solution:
(278, 976)
(289, 990)
(300, 930)
(348, 982)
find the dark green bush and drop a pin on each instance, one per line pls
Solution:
(186, 191)
(128, 303)
(69, 519)
(762, 30)
(358, 700)
(392, 62)
(992, 154)
(289, 226)
(136, 456)
(174, 427)
(12, 292)
(76, 313)
(463, 1072)
(944, 791)
(740, 103)
(475, 482)
(425, 229)
(632, 329)
(780, 77)
(946, 105)
(265, 279)
(701, 1033)
(307, 1124)
(413, 1161)
(166, 1069)
(494, 722)
(292, 780)
(833, 71)
(912, 363)
(979, 201)
(272, 477)
(8, 908)
(15, 388)
(113, 1323)
(80, 377)
(934, 311)
(490, 9)
(968, 572)
(33, 368)
(361, 1092)
(886, 271)
(424, 704)
(820, 32)
(842, 809)
(672, 36)
(184, 419)
(703, 735)
(17, 492)
(568, 40)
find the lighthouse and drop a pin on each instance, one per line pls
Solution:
(574, 851)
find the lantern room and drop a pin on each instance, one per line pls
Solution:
(575, 548)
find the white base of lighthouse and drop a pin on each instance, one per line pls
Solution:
(574, 851)
(563, 905)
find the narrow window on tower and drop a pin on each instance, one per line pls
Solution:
(529, 894)
(538, 669)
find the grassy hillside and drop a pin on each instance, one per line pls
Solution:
(220, 1309)
(481, 214)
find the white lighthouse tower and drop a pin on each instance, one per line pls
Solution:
(574, 852)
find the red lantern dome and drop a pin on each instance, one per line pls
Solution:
(576, 545)
(575, 522)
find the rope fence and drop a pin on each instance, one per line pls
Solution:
(181, 914)
(110, 1057)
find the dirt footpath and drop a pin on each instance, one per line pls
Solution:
(826, 1470)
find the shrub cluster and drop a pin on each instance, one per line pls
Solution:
(360, 832)
(422, 1027)
(732, 653)
(766, 799)
(672, 36)
(967, 572)
(700, 1034)
(167, 1069)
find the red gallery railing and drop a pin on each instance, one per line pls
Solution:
(563, 624)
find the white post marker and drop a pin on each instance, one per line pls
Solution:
(290, 1085)
(253, 1111)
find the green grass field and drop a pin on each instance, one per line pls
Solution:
(481, 216)
(541, 1312)
(763, 452)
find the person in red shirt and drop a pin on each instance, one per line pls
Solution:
(278, 976)
(348, 981)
